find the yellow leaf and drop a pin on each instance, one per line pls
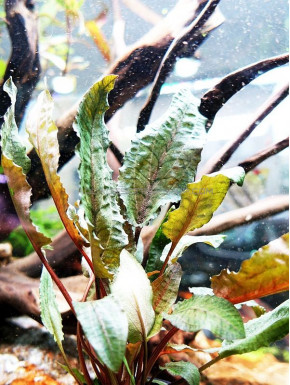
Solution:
(99, 39)
(198, 203)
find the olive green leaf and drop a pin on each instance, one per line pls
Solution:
(208, 312)
(265, 273)
(165, 291)
(186, 370)
(98, 191)
(106, 328)
(42, 133)
(162, 159)
(132, 288)
(260, 332)
(199, 201)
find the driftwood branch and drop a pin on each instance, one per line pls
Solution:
(24, 64)
(191, 37)
(258, 210)
(252, 162)
(217, 161)
(215, 98)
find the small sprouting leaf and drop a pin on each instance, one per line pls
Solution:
(198, 203)
(50, 314)
(208, 312)
(162, 159)
(188, 240)
(98, 192)
(265, 273)
(186, 370)
(132, 288)
(43, 136)
(260, 332)
(165, 291)
(106, 328)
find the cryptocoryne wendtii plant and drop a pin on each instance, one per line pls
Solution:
(131, 288)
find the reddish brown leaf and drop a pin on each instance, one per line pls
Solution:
(265, 273)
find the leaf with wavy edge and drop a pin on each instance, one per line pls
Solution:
(106, 328)
(132, 288)
(162, 159)
(165, 291)
(208, 312)
(260, 332)
(186, 370)
(199, 201)
(98, 192)
(42, 133)
(15, 165)
(265, 273)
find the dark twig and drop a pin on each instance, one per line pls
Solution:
(261, 209)
(252, 162)
(221, 157)
(216, 97)
(189, 37)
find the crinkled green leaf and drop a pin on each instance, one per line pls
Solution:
(199, 201)
(43, 136)
(265, 273)
(188, 240)
(162, 159)
(11, 144)
(132, 288)
(105, 325)
(186, 370)
(165, 291)
(208, 312)
(50, 314)
(260, 332)
(98, 192)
